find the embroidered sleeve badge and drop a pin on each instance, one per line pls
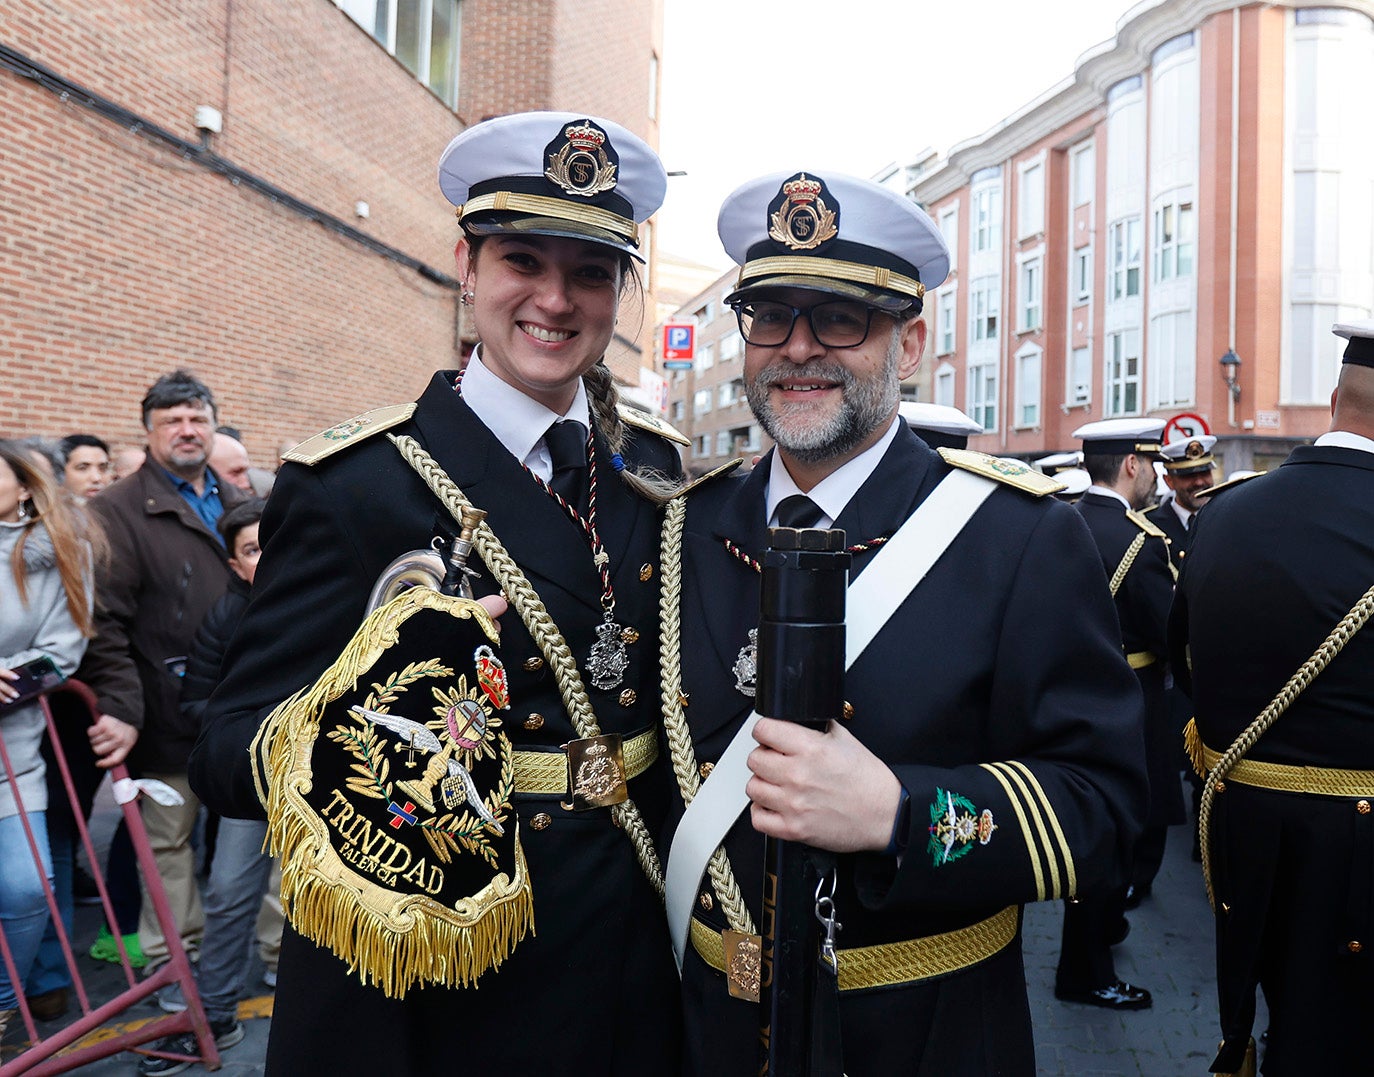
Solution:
(955, 824)
(390, 800)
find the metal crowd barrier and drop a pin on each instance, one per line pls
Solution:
(63, 1051)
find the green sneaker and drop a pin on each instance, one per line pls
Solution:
(104, 948)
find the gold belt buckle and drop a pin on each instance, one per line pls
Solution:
(596, 772)
(743, 964)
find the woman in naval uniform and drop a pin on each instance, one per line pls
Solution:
(549, 205)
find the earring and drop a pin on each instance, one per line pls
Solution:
(24, 510)
(466, 298)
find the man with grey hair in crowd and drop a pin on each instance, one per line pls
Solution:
(167, 567)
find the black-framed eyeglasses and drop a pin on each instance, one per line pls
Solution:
(836, 323)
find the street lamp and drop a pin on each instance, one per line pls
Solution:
(1230, 374)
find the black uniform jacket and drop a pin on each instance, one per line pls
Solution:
(595, 991)
(1142, 607)
(1276, 563)
(1166, 519)
(1007, 653)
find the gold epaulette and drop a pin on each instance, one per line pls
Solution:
(644, 421)
(1229, 484)
(1145, 524)
(1011, 472)
(715, 473)
(327, 442)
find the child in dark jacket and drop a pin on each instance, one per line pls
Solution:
(239, 871)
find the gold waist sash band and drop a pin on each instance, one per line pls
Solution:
(547, 772)
(1324, 781)
(892, 964)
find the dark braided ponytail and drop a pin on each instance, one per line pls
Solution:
(602, 397)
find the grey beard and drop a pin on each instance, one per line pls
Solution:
(865, 406)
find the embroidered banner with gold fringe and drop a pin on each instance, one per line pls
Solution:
(389, 800)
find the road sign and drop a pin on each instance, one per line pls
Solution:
(1185, 425)
(679, 343)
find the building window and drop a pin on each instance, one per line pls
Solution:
(1125, 247)
(422, 34)
(722, 443)
(1174, 237)
(706, 357)
(944, 385)
(728, 347)
(731, 392)
(987, 217)
(947, 337)
(753, 438)
(1173, 353)
(982, 394)
(1123, 373)
(701, 402)
(1028, 387)
(1031, 293)
(949, 229)
(679, 410)
(1030, 211)
(985, 299)
(1082, 274)
(1080, 387)
(1084, 178)
(701, 447)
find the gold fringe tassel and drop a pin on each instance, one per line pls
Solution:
(390, 940)
(1192, 744)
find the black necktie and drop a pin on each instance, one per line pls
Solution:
(797, 510)
(567, 445)
(1188, 522)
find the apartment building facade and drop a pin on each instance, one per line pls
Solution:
(1172, 230)
(247, 188)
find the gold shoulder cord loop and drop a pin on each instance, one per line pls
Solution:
(527, 603)
(1351, 623)
(1132, 552)
(675, 722)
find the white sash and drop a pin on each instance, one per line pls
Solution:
(897, 568)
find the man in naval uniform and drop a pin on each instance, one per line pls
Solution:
(1276, 563)
(1189, 473)
(990, 749)
(1119, 455)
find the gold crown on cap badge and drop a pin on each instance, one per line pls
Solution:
(580, 165)
(802, 221)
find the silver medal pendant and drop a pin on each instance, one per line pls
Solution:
(746, 667)
(607, 660)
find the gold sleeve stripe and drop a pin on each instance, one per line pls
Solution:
(1031, 851)
(1065, 852)
(1033, 809)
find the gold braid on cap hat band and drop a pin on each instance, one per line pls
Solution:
(873, 276)
(513, 202)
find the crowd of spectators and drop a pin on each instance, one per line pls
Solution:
(128, 567)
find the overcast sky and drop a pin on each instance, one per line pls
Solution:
(756, 86)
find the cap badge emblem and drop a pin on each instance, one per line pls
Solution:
(582, 160)
(1194, 450)
(798, 217)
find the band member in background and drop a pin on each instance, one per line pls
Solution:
(1277, 562)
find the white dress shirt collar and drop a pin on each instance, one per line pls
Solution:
(1344, 439)
(517, 421)
(1108, 492)
(834, 491)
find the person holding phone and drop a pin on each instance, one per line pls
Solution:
(47, 559)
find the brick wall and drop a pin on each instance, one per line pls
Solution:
(121, 259)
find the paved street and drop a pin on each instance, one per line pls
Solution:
(1169, 951)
